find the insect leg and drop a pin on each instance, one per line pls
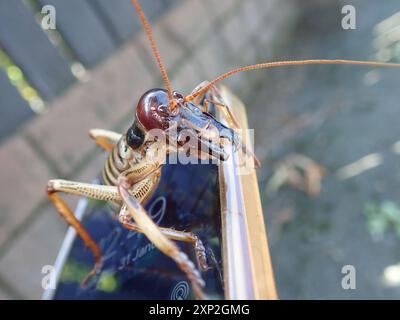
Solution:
(154, 234)
(105, 138)
(126, 219)
(198, 99)
(218, 101)
(229, 116)
(87, 190)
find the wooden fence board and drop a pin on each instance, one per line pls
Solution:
(13, 109)
(29, 47)
(82, 30)
(93, 29)
(119, 16)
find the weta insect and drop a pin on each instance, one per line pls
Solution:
(132, 172)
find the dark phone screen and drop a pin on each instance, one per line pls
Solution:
(186, 199)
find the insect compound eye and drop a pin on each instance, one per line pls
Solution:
(134, 137)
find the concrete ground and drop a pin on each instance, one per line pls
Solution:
(337, 116)
(334, 115)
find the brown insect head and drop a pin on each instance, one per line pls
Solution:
(185, 125)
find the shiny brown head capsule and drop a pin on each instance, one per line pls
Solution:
(185, 123)
(153, 111)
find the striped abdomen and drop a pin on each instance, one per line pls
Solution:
(113, 167)
(116, 165)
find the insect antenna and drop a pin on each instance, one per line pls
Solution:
(156, 52)
(268, 65)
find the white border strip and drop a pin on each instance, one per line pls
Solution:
(66, 248)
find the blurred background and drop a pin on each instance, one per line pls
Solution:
(328, 136)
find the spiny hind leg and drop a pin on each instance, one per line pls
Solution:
(126, 219)
(156, 236)
(54, 187)
(104, 138)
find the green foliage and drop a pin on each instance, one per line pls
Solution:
(107, 282)
(382, 216)
(17, 79)
(75, 272)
